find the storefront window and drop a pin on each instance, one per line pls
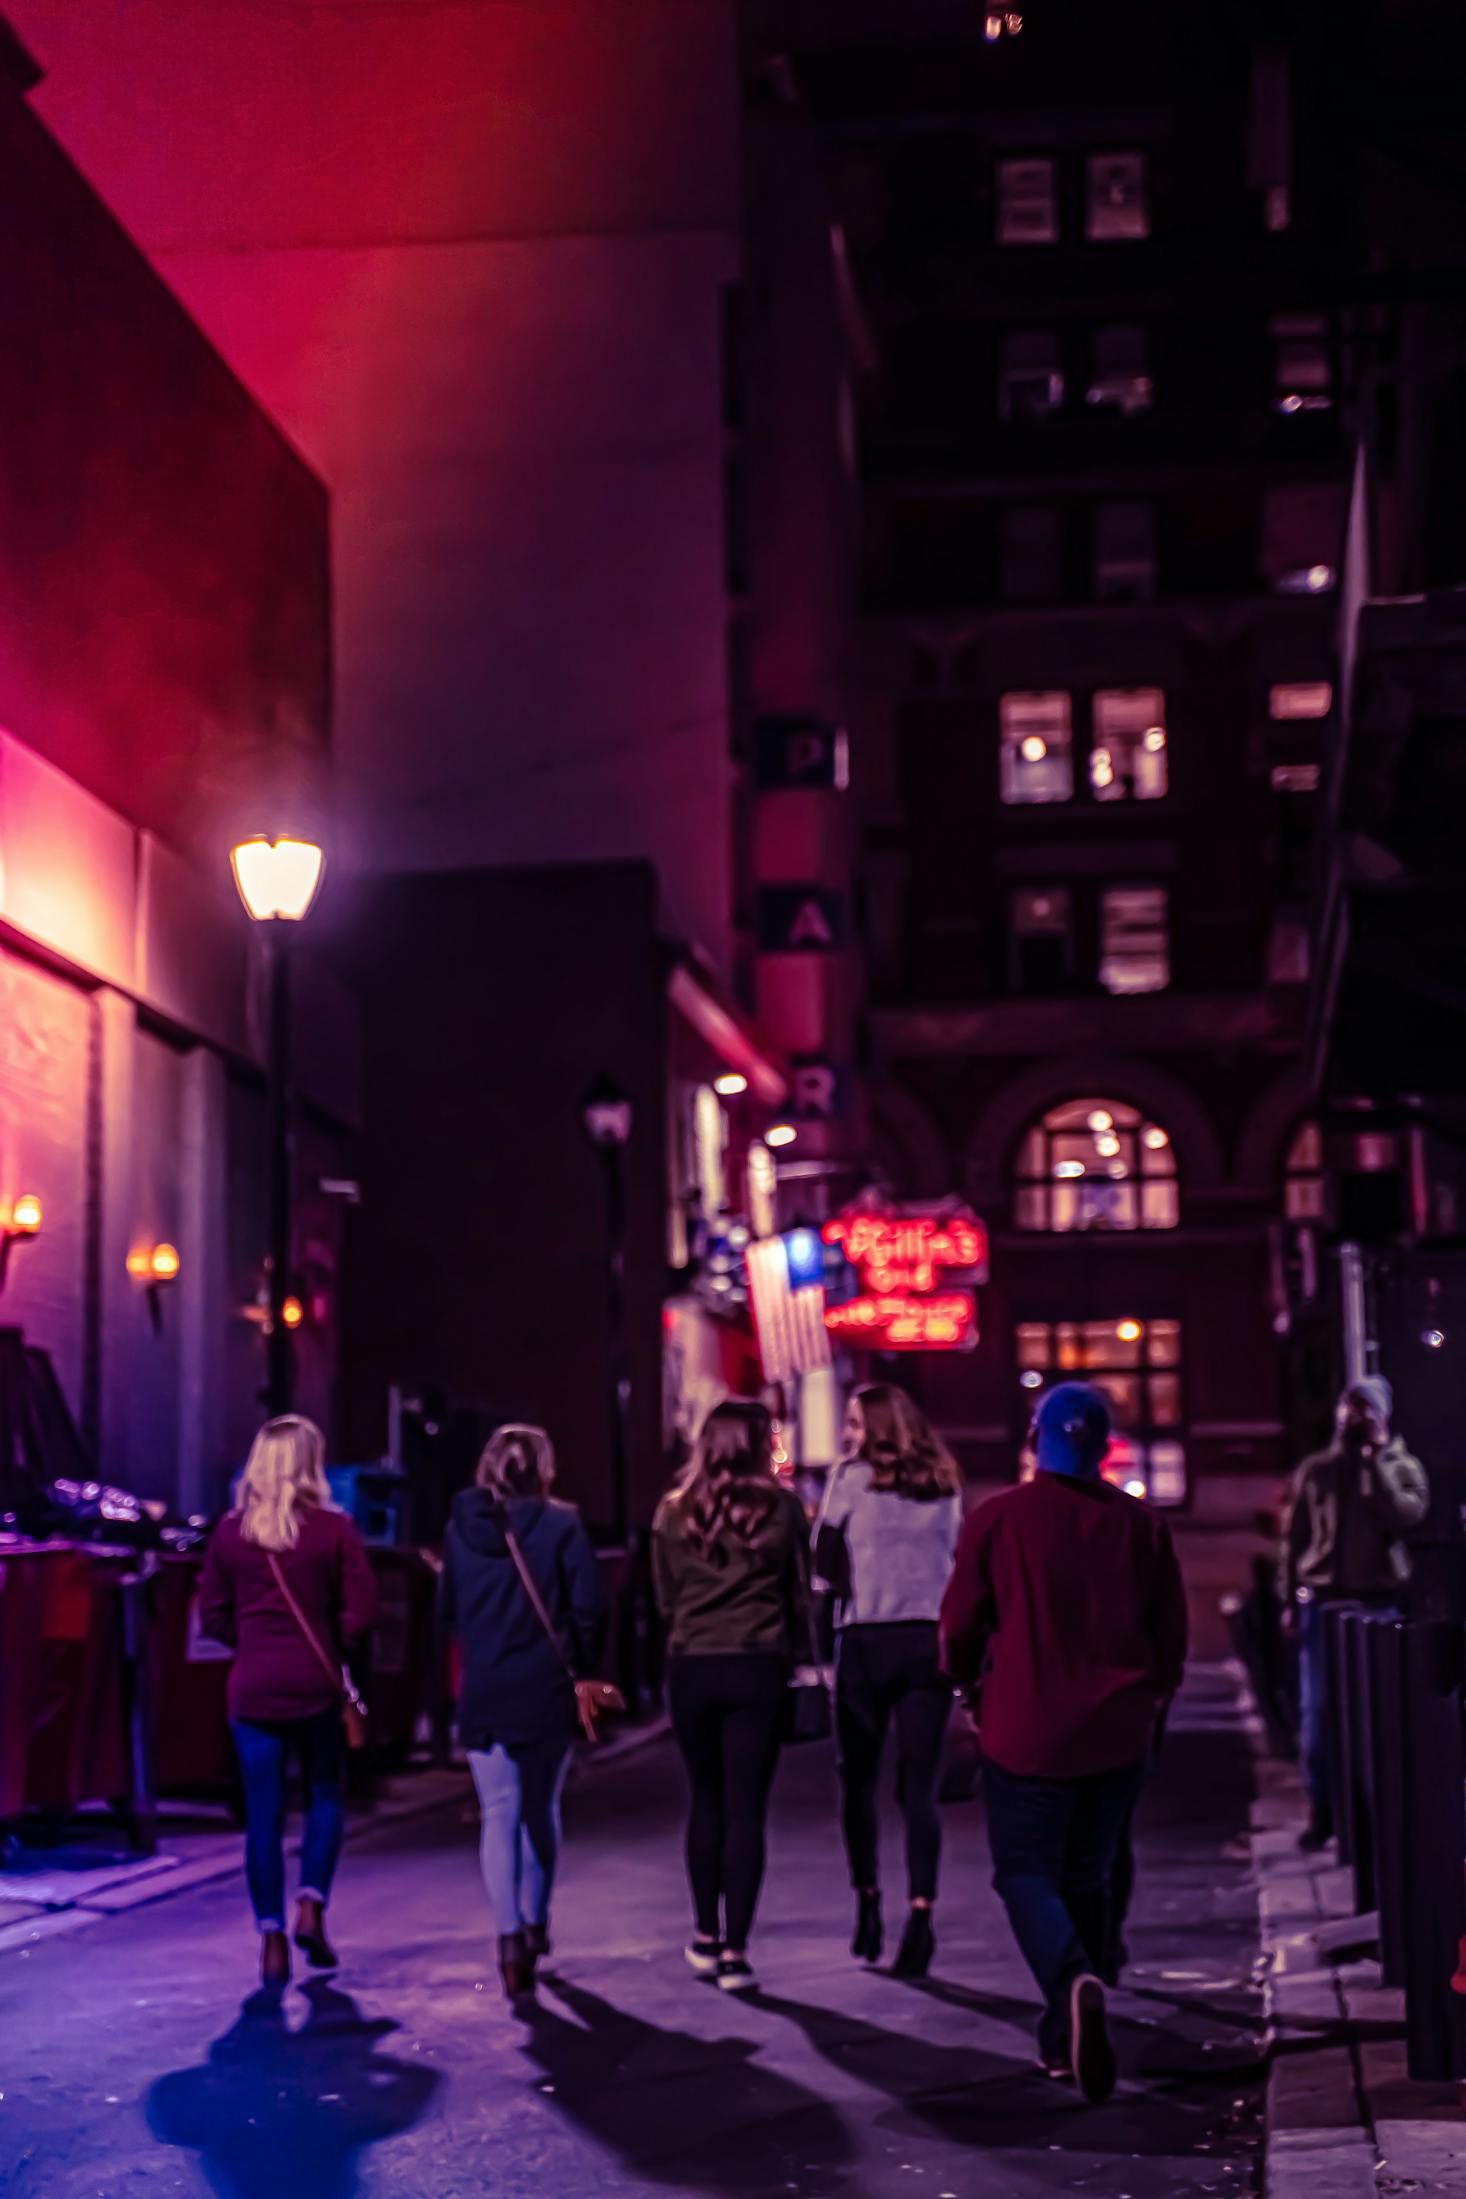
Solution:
(1038, 747)
(1137, 1364)
(1095, 1164)
(1129, 759)
(1303, 1182)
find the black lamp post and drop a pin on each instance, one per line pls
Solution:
(605, 1113)
(278, 881)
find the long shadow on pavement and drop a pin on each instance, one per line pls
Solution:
(700, 2114)
(282, 2114)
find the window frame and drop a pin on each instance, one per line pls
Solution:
(1104, 953)
(1093, 156)
(1034, 1181)
(1002, 161)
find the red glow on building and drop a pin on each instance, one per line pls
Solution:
(901, 1257)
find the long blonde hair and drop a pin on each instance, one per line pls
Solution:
(284, 1475)
(903, 1451)
(517, 1461)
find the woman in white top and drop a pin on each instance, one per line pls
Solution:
(885, 1539)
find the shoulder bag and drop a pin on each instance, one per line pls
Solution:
(353, 1709)
(594, 1699)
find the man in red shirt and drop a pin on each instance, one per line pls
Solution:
(1067, 1613)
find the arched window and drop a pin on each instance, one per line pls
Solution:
(1096, 1164)
(1303, 1180)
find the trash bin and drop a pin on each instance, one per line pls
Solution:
(195, 1751)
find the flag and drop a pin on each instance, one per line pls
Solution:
(788, 1306)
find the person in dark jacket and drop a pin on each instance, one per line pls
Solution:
(285, 1693)
(1066, 1609)
(1349, 1510)
(517, 1710)
(730, 1564)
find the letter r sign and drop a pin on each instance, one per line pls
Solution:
(817, 1089)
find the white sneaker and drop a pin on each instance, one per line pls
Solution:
(703, 1956)
(735, 1975)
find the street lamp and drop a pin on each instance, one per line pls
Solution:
(606, 1117)
(278, 880)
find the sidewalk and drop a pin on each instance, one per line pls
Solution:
(49, 1891)
(1344, 2120)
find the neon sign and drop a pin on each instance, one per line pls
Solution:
(904, 1259)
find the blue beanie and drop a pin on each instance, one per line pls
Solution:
(1377, 1395)
(1072, 1431)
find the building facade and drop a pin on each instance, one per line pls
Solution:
(164, 686)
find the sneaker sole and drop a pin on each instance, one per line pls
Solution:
(1095, 2068)
(738, 1985)
(705, 1966)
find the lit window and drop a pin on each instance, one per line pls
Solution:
(1135, 943)
(1124, 553)
(1295, 778)
(1032, 554)
(1129, 758)
(1303, 1179)
(1030, 374)
(1119, 370)
(1116, 198)
(1301, 533)
(1300, 699)
(1303, 367)
(1137, 1365)
(1028, 202)
(1095, 1164)
(1038, 748)
(1042, 939)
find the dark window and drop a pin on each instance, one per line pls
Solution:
(1119, 369)
(1030, 374)
(1135, 939)
(1124, 553)
(1032, 553)
(1303, 364)
(1027, 202)
(1041, 939)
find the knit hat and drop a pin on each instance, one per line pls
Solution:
(1072, 1431)
(1376, 1393)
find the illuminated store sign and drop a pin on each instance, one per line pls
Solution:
(914, 1267)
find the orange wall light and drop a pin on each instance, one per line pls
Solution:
(154, 1264)
(23, 1221)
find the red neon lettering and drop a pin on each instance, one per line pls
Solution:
(900, 1259)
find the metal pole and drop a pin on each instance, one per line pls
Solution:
(1435, 1885)
(1356, 1331)
(619, 1376)
(278, 1350)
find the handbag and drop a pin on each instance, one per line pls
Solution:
(808, 1712)
(594, 1699)
(353, 1708)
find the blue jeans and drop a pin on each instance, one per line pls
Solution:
(1055, 1843)
(519, 1790)
(264, 1758)
(1313, 1712)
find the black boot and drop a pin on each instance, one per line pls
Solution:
(274, 1961)
(869, 1937)
(918, 1945)
(516, 1966)
(310, 1934)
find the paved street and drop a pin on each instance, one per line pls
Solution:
(134, 2060)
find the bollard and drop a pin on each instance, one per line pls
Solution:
(1435, 1814)
(135, 1609)
(1359, 1754)
(1337, 1723)
(1386, 1647)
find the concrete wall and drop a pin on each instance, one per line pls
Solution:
(471, 258)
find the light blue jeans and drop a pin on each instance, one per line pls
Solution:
(519, 1792)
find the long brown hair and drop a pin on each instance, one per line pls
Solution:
(898, 1443)
(517, 1461)
(727, 1491)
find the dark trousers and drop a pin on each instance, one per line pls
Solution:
(1055, 1843)
(264, 1762)
(1313, 1712)
(727, 1713)
(885, 1674)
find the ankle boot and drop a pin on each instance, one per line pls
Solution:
(310, 1934)
(516, 1966)
(274, 1960)
(918, 1945)
(537, 1940)
(869, 1937)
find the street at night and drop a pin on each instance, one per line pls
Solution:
(137, 2059)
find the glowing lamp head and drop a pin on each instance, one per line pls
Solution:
(732, 1086)
(292, 1313)
(164, 1264)
(25, 1215)
(277, 879)
(1319, 577)
(605, 1113)
(1155, 740)
(1129, 1332)
(1107, 1144)
(1068, 1171)
(1034, 749)
(783, 1133)
(140, 1266)
(1101, 1119)
(1154, 1138)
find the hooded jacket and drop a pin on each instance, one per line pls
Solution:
(516, 1691)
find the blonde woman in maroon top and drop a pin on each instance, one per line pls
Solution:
(284, 1535)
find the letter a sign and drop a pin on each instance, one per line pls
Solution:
(800, 920)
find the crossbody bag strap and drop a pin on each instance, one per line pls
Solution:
(329, 1664)
(530, 1586)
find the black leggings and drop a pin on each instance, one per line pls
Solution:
(885, 1672)
(727, 1711)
